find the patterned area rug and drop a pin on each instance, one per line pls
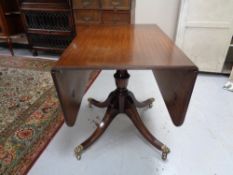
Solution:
(30, 114)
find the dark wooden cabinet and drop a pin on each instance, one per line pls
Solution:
(10, 21)
(49, 24)
(88, 12)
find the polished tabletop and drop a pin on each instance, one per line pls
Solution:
(126, 46)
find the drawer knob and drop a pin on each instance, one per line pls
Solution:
(87, 18)
(86, 3)
(115, 3)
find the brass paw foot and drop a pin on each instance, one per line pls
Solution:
(165, 152)
(78, 151)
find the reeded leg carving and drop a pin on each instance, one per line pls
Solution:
(101, 104)
(142, 104)
(135, 117)
(109, 116)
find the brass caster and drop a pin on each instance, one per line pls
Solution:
(89, 102)
(151, 104)
(78, 151)
(165, 152)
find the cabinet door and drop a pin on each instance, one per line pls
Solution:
(54, 42)
(57, 21)
(204, 32)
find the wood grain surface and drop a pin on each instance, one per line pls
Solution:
(123, 46)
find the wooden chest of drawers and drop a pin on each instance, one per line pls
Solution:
(88, 12)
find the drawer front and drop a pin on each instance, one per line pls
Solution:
(86, 4)
(87, 16)
(116, 17)
(116, 4)
(49, 41)
(48, 20)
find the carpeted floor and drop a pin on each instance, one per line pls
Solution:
(30, 113)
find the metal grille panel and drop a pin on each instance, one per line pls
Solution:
(50, 41)
(48, 20)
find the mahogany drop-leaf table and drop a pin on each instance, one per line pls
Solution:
(124, 47)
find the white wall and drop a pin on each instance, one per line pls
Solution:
(164, 13)
(208, 24)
